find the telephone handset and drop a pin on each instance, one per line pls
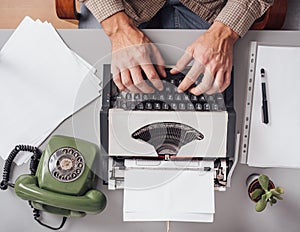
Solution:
(64, 183)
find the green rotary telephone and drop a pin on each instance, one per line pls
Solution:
(64, 182)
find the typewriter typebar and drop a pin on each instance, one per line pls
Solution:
(166, 125)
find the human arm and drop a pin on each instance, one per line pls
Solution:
(132, 51)
(212, 52)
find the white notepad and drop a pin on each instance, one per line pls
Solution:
(276, 144)
(168, 191)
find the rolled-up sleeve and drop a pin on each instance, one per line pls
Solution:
(239, 15)
(102, 9)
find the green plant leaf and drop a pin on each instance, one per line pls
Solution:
(279, 190)
(256, 193)
(260, 205)
(264, 198)
(278, 197)
(276, 194)
(268, 195)
(264, 182)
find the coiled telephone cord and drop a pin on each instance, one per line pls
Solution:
(7, 166)
(34, 161)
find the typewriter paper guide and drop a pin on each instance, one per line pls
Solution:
(213, 125)
(176, 191)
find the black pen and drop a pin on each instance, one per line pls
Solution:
(264, 97)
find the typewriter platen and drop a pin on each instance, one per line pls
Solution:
(166, 125)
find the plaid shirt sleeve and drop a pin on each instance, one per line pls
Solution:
(102, 9)
(239, 15)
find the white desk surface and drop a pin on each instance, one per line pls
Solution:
(234, 210)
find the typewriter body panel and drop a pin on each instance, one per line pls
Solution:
(123, 124)
(159, 126)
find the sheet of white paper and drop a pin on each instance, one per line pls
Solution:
(50, 29)
(276, 144)
(168, 191)
(42, 83)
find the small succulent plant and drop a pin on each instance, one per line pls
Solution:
(264, 194)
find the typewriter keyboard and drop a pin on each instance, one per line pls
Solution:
(169, 99)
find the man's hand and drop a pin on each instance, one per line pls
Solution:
(212, 54)
(132, 53)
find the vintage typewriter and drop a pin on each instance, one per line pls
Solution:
(166, 125)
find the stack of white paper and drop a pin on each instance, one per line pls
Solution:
(42, 83)
(168, 191)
